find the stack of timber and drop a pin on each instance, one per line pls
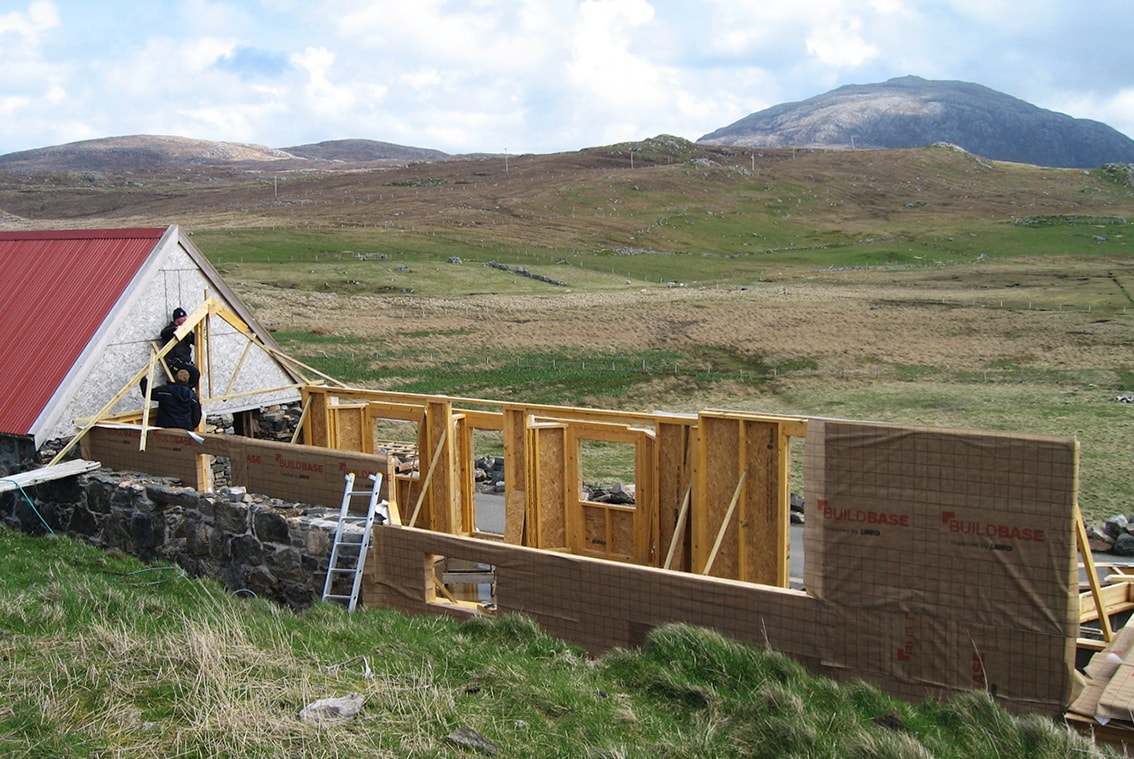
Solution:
(1104, 704)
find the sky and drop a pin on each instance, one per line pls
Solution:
(522, 76)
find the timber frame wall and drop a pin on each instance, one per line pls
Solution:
(937, 560)
(711, 490)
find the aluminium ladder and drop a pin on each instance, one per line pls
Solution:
(348, 551)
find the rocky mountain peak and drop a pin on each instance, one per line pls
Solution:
(910, 112)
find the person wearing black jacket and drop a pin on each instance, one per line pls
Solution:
(177, 403)
(181, 355)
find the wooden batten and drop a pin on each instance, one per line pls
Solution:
(516, 476)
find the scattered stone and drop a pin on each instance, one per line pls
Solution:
(329, 710)
(1116, 525)
(1099, 540)
(1124, 545)
(466, 737)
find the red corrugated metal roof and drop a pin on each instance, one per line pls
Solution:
(57, 289)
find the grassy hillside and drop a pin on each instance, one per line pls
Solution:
(106, 657)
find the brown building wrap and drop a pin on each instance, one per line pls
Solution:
(169, 452)
(949, 556)
(306, 474)
(937, 561)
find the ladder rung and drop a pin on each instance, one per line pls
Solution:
(342, 570)
(332, 595)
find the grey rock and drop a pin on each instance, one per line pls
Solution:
(333, 709)
(1124, 545)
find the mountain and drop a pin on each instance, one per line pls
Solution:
(360, 151)
(907, 112)
(910, 112)
(129, 153)
(136, 152)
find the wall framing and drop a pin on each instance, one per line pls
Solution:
(937, 560)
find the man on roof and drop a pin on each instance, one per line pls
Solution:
(181, 355)
(177, 403)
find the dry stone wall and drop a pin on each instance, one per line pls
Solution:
(251, 544)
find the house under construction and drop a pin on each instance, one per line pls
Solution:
(937, 560)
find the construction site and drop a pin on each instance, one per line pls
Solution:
(936, 560)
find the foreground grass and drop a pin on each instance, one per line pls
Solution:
(105, 657)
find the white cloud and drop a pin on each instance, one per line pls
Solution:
(199, 54)
(603, 65)
(422, 79)
(840, 43)
(529, 75)
(10, 106)
(1115, 109)
(317, 61)
(239, 124)
(39, 17)
(55, 94)
(1118, 111)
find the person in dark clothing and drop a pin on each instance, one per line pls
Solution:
(177, 403)
(181, 355)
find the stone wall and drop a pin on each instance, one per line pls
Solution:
(251, 544)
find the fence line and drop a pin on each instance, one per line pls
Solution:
(607, 366)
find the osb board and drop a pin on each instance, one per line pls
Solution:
(674, 473)
(351, 431)
(601, 604)
(717, 476)
(608, 532)
(407, 490)
(974, 527)
(549, 511)
(440, 480)
(763, 531)
(750, 548)
(169, 452)
(515, 477)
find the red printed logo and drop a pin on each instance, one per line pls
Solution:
(991, 529)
